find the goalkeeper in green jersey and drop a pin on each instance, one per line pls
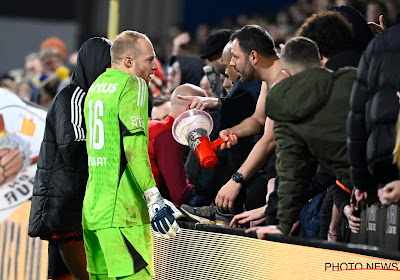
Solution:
(121, 193)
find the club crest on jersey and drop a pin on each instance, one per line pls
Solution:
(137, 121)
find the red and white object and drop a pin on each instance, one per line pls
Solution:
(192, 128)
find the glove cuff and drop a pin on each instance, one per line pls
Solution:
(152, 195)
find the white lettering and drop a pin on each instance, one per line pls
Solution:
(96, 87)
(137, 121)
(114, 88)
(391, 230)
(371, 226)
(98, 90)
(97, 161)
(104, 88)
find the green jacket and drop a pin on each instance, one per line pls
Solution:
(310, 112)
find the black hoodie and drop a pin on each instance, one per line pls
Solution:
(362, 35)
(62, 169)
(191, 69)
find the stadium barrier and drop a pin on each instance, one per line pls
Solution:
(213, 252)
(379, 227)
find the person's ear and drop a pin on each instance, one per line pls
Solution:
(128, 61)
(253, 57)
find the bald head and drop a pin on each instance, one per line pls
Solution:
(226, 59)
(126, 44)
(227, 50)
(178, 106)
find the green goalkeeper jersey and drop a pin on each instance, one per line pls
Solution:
(117, 139)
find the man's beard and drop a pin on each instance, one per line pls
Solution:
(248, 73)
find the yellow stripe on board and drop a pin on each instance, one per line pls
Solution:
(24, 258)
(197, 255)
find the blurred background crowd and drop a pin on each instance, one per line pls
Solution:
(27, 75)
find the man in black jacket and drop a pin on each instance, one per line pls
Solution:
(60, 181)
(374, 108)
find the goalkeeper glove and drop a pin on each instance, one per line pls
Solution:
(161, 214)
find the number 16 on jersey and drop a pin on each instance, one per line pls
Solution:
(96, 126)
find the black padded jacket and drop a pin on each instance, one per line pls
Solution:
(374, 107)
(62, 169)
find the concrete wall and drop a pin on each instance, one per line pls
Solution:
(152, 17)
(23, 36)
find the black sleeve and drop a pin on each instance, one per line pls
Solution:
(356, 127)
(272, 208)
(341, 198)
(70, 132)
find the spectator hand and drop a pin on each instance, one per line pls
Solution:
(161, 214)
(390, 193)
(227, 195)
(200, 103)
(241, 219)
(360, 196)
(376, 29)
(370, 197)
(258, 222)
(229, 137)
(262, 231)
(11, 162)
(354, 221)
(181, 39)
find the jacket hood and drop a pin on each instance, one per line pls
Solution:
(347, 57)
(362, 33)
(300, 96)
(191, 69)
(93, 58)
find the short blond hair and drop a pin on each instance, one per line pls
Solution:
(125, 44)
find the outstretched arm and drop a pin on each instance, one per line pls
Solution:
(249, 126)
(201, 103)
(257, 157)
